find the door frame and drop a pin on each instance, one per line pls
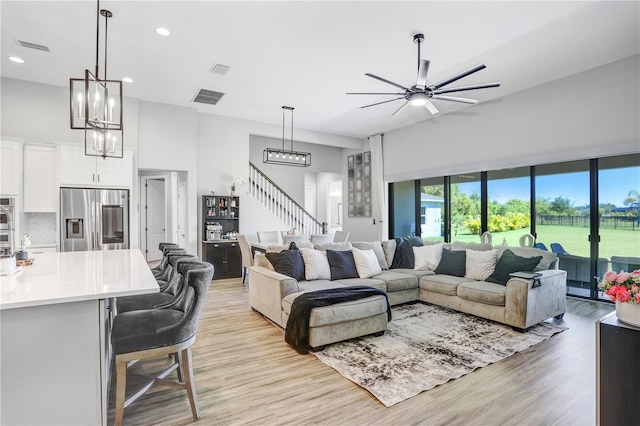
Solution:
(143, 211)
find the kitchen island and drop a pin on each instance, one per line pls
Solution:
(55, 322)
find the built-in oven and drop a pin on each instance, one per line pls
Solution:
(7, 207)
(7, 223)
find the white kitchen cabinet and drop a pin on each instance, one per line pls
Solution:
(40, 178)
(78, 169)
(11, 170)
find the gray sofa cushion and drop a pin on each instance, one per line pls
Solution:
(396, 281)
(483, 292)
(389, 248)
(413, 272)
(443, 284)
(334, 246)
(372, 282)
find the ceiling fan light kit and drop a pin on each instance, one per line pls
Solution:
(286, 157)
(421, 94)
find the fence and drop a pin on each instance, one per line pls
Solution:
(608, 222)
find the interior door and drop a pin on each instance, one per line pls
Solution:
(182, 213)
(155, 217)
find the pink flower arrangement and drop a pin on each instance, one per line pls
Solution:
(623, 287)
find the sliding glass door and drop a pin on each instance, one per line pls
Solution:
(432, 209)
(619, 214)
(509, 205)
(563, 219)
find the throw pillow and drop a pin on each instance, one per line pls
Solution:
(389, 248)
(366, 263)
(509, 263)
(376, 246)
(288, 262)
(427, 257)
(342, 264)
(452, 263)
(480, 264)
(316, 264)
(403, 257)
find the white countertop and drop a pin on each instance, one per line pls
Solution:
(64, 277)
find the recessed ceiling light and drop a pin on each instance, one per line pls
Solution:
(16, 59)
(163, 31)
(127, 79)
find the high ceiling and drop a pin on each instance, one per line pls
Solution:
(308, 54)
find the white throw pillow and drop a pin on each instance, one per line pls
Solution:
(480, 264)
(427, 257)
(366, 263)
(377, 249)
(316, 265)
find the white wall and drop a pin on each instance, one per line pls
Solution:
(587, 115)
(224, 152)
(168, 142)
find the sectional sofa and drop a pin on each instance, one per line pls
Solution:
(454, 275)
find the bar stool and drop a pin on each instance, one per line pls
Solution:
(166, 271)
(168, 296)
(161, 247)
(146, 334)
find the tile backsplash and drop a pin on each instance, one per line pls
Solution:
(41, 228)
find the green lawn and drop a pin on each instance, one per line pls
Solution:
(613, 242)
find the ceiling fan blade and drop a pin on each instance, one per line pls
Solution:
(470, 87)
(404, 105)
(359, 93)
(431, 107)
(454, 99)
(458, 76)
(383, 102)
(386, 81)
(421, 82)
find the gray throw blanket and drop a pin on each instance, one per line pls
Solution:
(297, 331)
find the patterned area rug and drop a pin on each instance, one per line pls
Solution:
(425, 346)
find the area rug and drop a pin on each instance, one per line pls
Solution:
(425, 346)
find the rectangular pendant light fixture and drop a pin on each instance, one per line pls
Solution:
(286, 157)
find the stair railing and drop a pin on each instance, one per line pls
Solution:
(280, 204)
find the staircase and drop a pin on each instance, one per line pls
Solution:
(264, 191)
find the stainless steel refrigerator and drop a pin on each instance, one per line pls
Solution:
(94, 219)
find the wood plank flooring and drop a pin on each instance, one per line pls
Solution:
(246, 374)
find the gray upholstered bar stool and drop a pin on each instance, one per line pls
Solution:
(146, 334)
(162, 263)
(166, 271)
(168, 296)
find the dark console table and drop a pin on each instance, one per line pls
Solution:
(617, 372)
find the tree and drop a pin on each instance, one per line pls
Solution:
(632, 198)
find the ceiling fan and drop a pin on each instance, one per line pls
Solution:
(421, 95)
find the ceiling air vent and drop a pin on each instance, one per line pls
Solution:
(220, 69)
(210, 97)
(32, 45)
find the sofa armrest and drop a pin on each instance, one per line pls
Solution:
(526, 305)
(266, 291)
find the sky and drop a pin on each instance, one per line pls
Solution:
(614, 185)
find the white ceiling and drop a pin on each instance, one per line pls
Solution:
(308, 54)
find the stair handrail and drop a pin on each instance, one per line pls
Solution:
(313, 219)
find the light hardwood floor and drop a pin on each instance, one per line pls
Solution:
(246, 374)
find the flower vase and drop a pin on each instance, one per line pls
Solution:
(628, 313)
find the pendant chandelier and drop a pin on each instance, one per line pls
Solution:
(286, 157)
(96, 104)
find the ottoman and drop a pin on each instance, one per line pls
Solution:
(342, 321)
